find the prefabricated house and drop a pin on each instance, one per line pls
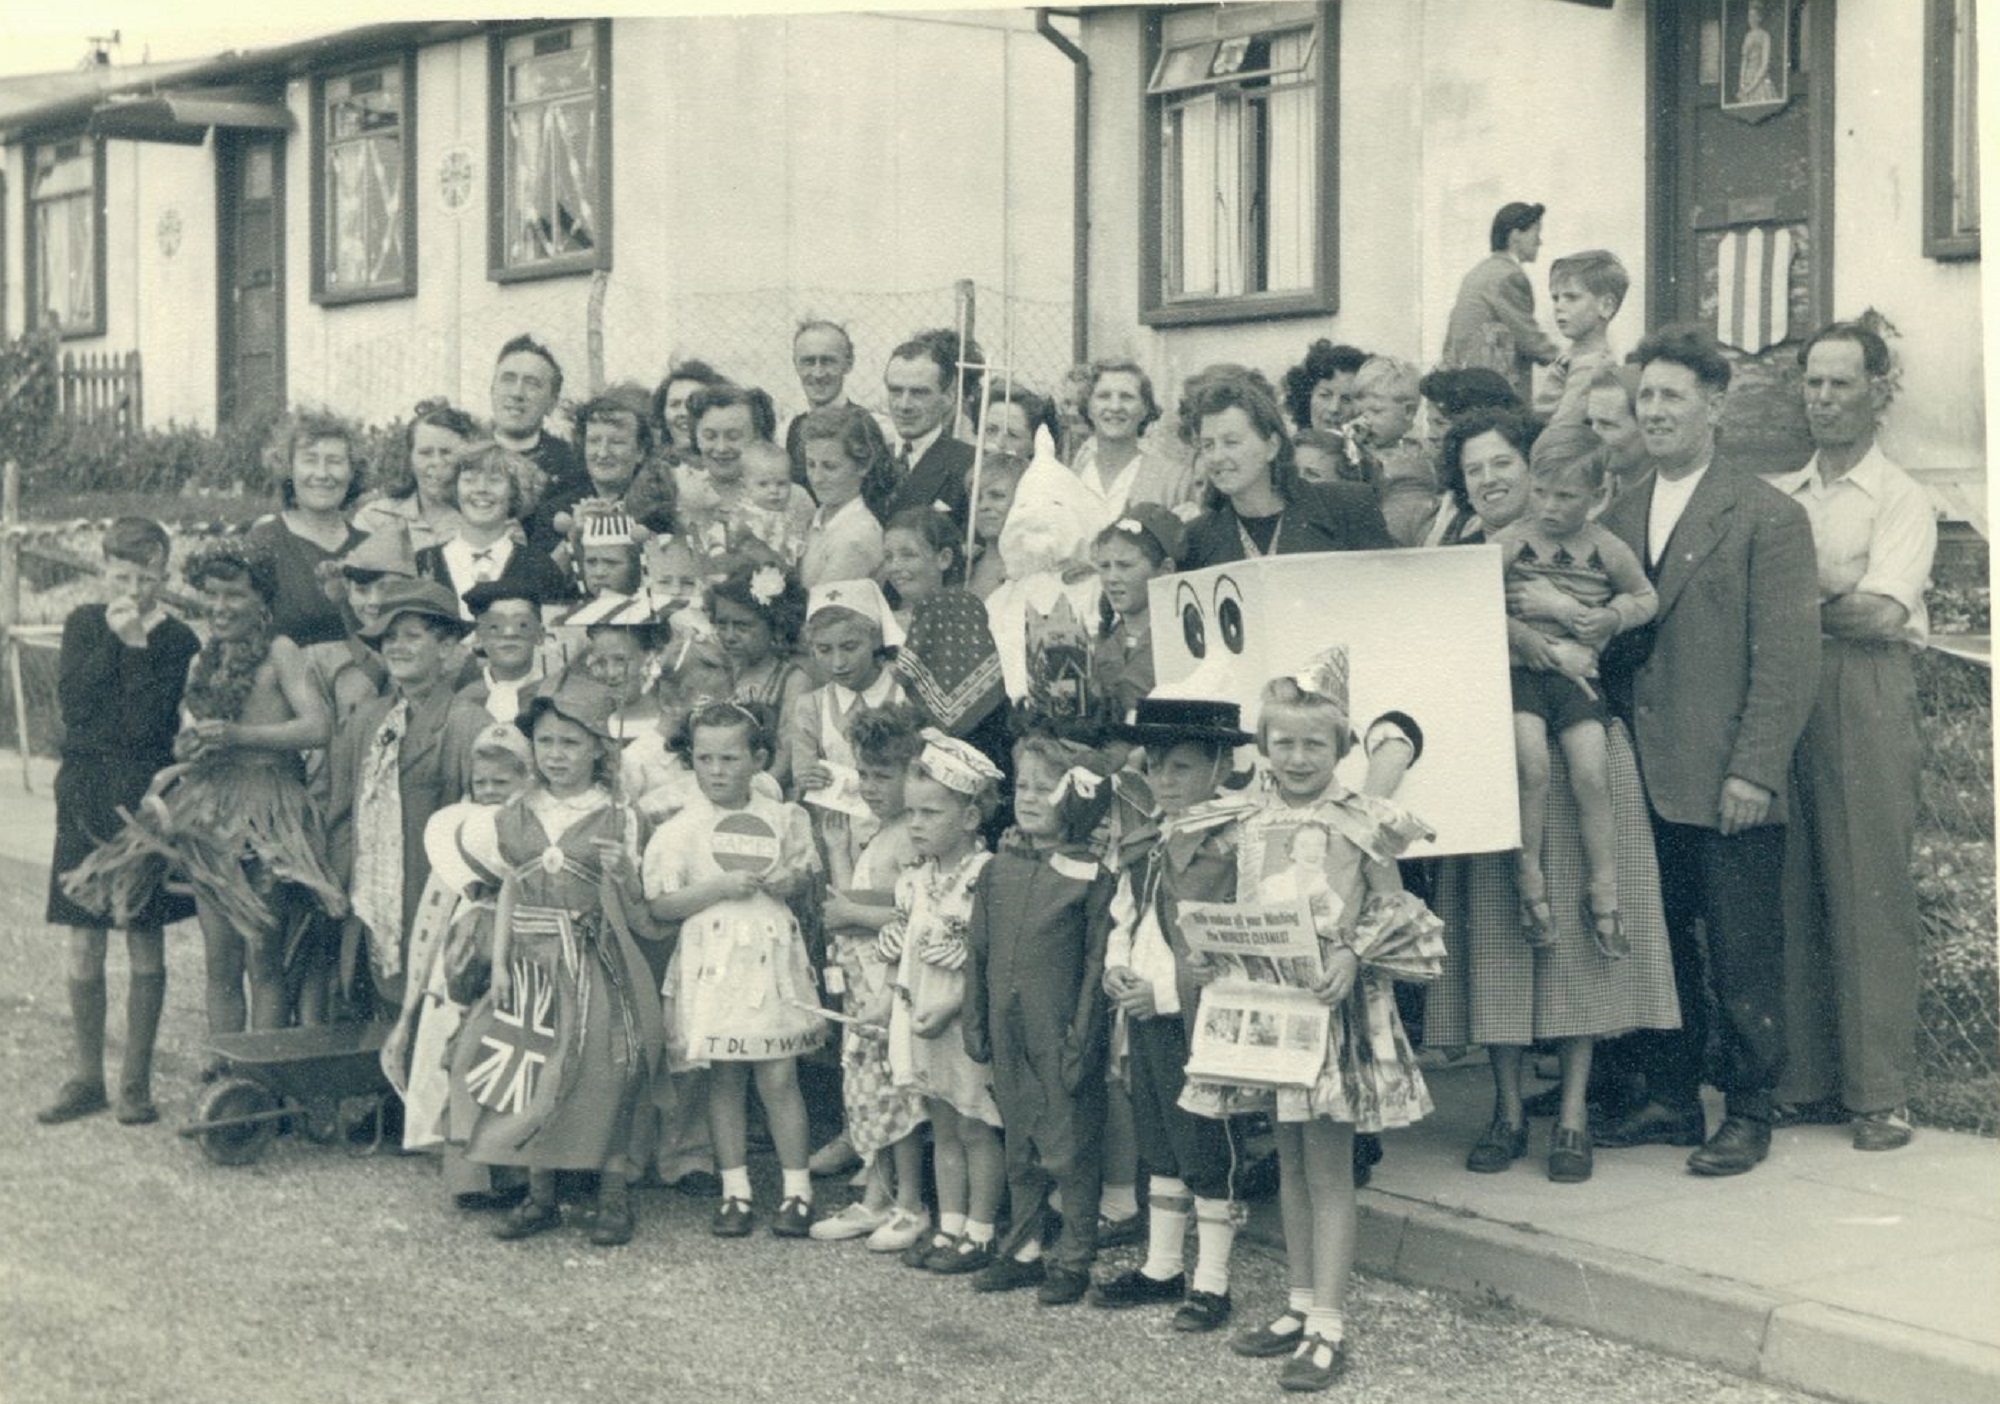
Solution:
(1261, 175)
(360, 220)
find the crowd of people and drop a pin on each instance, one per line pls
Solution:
(619, 773)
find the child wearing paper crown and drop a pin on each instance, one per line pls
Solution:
(740, 995)
(847, 625)
(1035, 1010)
(1313, 840)
(950, 791)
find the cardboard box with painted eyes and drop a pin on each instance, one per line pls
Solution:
(1426, 635)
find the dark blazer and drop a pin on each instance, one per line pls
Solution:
(939, 476)
(1319, 517)
(1733, 666)
(525, 566)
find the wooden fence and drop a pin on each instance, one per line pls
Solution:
(103, 387)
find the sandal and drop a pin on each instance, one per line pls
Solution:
(1607, 930)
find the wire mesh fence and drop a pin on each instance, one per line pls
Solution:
(1958, 1041)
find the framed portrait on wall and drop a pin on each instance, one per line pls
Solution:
(1756, 56)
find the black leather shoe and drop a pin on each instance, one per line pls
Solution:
(1499, 1148)
(613, 1226)
(1062, 1286)
(1366, 1156)
(1134, 1288)
(527, 1219)
(732, 1219)
(1569, 1156)
(1738, 1146)
(1654, 1124)
(1116, 1233)
(1009, 1275)
(1203, 1311)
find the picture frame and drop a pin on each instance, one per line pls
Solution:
(1756, 67)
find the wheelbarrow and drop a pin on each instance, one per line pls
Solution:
(301, 1079)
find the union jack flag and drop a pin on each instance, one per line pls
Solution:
(516, 1050)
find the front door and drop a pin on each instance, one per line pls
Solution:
(1743, 191)
(250, 181)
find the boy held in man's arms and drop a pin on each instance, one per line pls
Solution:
(1599, 590)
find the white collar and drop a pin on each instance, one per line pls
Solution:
(875, 694)
(920, 446)
(1870, 474)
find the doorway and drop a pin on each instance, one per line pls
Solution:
(1741, 174)
(250, 186)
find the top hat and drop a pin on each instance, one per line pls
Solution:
(1163, 721)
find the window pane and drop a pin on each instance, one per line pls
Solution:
(1195, 199)
(365, 155)
(549, 206)
(1292, 188)
(1228, 192)
(66, 264)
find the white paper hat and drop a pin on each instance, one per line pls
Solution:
(864, 597)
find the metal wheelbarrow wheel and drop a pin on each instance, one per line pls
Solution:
(253, 1116)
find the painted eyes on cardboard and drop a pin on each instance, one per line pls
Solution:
(1228, 607)
(1194, 628)
(1229, 613)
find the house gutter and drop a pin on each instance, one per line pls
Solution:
(299, 57)
(1080, 163)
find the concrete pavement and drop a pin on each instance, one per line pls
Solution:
(1869, 1278)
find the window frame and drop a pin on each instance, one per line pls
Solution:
(599, 255)
(322, 243)
(31, 244)
(1323, 297)
(1942, 239)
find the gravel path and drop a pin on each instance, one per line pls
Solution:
(130, 1269)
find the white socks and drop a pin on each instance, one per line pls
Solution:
(1215, 1239)
(1029, 1252)
(799, 1185)
(1326, 1323)
(978, 1232)
(951, 1225)
(736, 1183)
(1166, 1234)
(1120, 1202)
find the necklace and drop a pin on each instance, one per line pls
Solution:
(1250, 547)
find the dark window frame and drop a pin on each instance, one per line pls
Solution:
(1943, 238)
(31, 246)
(598, 256)
(321, 209)
(1323, 297)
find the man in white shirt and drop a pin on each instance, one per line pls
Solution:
(1718, 702)
(1851, 958)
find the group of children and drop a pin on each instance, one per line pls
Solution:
(592, 916)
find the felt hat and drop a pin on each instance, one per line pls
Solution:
(1151, 519)
(864, 597)
(1515, 214)
(384, 552)
(428, 598)
(585, 701)
(488, 593)
(1163, 721)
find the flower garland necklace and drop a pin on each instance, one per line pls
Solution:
(225, 672)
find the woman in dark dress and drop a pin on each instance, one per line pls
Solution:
(121, 669)
(322, 482)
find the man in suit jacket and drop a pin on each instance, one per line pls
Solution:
(421, 732)
(1718, 705)
(931, 465)
(1493, 322)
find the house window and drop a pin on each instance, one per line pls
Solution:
(1951, 130)
(551, 157)
(1242, 106)
(66, 237)
(364, 184)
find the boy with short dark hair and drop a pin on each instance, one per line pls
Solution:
(119, 686)
(1587, 289)
(1557, 542)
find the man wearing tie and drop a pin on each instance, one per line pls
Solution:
(931, 466)
(1718, 701)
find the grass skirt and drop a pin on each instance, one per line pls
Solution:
(236, 827)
